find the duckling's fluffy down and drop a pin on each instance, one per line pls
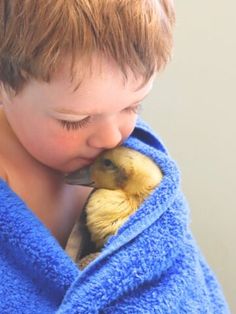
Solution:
(123, 178)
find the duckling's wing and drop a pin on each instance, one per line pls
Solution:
(79, 243)
(107, 210)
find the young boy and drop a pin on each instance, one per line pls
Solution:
(49, 128)
(72, 74)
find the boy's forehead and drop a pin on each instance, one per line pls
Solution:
(103, 85)
(98, 98)
(101, 90)
(101, 71)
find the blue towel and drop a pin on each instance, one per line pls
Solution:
(153, 264)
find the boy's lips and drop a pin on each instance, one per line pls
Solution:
(88, 160)
(91, 159)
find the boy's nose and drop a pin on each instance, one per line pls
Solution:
(107, 135)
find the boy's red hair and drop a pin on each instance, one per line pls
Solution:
(36, 35)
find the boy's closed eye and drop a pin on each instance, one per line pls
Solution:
(74, 125)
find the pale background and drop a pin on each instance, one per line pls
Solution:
(193, 108)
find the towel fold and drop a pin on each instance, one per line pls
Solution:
(152, 265)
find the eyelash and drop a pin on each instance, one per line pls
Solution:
(74, 125)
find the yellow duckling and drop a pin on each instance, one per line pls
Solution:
(122, 178)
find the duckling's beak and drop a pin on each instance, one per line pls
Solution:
(80, 177)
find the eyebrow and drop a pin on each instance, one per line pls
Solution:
(73, 112)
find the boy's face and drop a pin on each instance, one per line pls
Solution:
(66, 129)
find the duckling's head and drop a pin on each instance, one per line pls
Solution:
(119, 168)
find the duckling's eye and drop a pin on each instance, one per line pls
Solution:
(108, 164)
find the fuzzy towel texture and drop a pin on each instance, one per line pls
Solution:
(152, 265)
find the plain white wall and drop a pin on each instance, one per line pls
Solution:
(193, 108)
